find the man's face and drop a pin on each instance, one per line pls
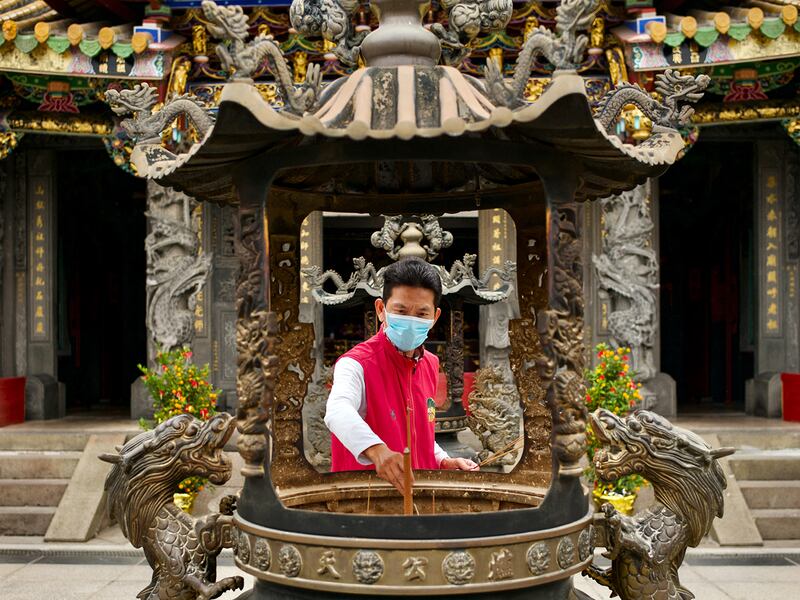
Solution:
(409, 301)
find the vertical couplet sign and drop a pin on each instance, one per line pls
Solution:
(771, 241)
(40, 258)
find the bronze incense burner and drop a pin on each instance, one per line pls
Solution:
(408, 135)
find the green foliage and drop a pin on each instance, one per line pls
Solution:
(610, 385)
(177, 386)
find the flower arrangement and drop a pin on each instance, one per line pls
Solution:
(611, 386)
(177, 386)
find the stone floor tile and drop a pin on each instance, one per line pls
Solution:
(752, 590)
(48, 572)
(53, 589)
(737, 574)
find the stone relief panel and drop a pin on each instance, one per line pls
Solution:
(627, 271)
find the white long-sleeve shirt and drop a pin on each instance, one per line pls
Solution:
(347, 407)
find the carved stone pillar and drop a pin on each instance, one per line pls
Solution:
(624, 288)
(496, 245)
(777, 261)
(177, 271)
(44, 396)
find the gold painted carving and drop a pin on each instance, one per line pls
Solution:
(60, 123)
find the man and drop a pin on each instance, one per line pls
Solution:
(390, 377)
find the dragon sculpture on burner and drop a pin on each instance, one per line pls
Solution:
(673, 87)
(181, 550)
(563, 49)
(146, 126)
(647, 549)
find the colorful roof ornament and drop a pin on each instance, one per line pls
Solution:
(760, 31)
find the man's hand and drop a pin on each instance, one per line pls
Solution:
(388, 465)
(462, 464)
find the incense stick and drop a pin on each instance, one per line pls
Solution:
(433, 502)
(408, 493)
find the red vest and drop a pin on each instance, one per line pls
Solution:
(392, 382)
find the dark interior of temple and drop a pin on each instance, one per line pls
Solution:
(101, 268)
(707, 282)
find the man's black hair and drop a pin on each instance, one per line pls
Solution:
(413, 272)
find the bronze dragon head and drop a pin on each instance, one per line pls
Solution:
(149, 467)
(683, 469)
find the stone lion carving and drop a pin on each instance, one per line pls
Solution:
(647, 549)
(181, 550)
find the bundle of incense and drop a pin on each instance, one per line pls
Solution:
(507, 449)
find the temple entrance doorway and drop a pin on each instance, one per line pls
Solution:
(100, 281)
(707, 293)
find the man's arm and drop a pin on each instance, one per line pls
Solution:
(345, 407)
(344, 418)
(439, 454)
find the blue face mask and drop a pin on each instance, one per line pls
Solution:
(406, 333)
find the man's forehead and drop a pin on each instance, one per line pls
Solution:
(411, 295)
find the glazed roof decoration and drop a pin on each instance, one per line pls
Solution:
(37, 39)
(409, 89)
(734, 34)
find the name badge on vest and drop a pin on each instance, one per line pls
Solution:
(431, 410)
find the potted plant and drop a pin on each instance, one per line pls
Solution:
(177, 386)
(610, 385)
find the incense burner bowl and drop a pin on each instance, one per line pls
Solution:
(464, 539)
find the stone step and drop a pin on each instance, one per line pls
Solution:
(32, 492)
(764, 466)
(764, 440)
(771, 494)
(25, 520)
(42, 440)
(37, 465)
(777, 523)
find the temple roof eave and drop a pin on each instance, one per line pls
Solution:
(559, 122)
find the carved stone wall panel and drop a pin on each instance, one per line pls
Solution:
(626, 270)
(177, 270)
